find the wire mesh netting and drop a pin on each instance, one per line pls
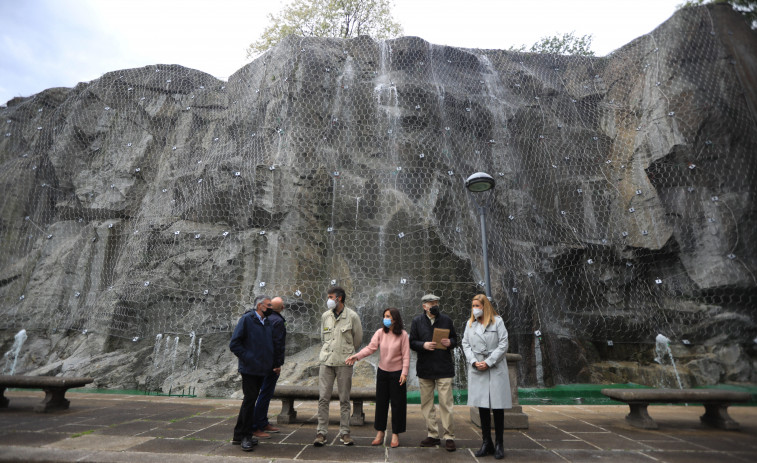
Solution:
(162, 200)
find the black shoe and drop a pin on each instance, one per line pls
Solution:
(430, 442)
(487, 448)
(499, 451)
(247, 444)
(450, 445)
(238, 441)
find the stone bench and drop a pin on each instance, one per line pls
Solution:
(715, 403)
(55, 388)
(288, 394)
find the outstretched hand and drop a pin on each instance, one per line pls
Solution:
(351, 360)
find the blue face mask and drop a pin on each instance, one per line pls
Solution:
(387, 322)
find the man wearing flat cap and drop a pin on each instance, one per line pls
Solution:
(435, 369)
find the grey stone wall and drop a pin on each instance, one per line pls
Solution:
(153, 204)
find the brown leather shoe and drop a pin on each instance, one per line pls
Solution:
(430, 442)
(261, 434)
(450, 445)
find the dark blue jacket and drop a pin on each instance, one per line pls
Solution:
(279, 329)
(252, 343)
(438, 363)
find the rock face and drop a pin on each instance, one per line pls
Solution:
(142, 211)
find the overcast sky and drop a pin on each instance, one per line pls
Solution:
(58, 43)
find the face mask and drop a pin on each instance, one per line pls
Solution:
(331, 304)
(477, 313)
(434, 311)
(387, 322)
(267, 312)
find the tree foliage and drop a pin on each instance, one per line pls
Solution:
(565, 44)
(748, 8)
(328, 18)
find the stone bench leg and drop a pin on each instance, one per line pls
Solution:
(54, 400)
(639, 417)
(358, 416)
(716, 415)
(3, 400)
(288, 414)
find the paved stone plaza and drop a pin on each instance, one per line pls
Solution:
(126, 428)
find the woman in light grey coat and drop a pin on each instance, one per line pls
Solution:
(485, 345)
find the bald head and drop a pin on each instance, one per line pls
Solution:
(278, 304)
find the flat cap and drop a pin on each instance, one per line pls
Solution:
(429, 298)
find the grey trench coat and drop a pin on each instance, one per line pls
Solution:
(490, 388)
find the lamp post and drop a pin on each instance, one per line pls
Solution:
(514, 417)
(478, 183)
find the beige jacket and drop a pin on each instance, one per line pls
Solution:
(341, 337)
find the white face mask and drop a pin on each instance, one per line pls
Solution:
(477, 313)
(331, 304)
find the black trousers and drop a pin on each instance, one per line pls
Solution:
(250, 388)
(486, 423)
(388, 390)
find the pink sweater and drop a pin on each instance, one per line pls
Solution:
(395, 351)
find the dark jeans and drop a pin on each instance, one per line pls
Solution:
(264, 400)
(388, 390)
(486, 423)
(250, 388)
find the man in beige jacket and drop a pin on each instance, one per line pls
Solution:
(341, 334)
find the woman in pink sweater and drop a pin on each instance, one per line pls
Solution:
(391, 377)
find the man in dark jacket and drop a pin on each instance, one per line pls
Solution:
(252, 343)
(435, 369)
(261, 426)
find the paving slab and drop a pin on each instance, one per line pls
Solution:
(339, 452)
(173, 446)
(610, 441)
(529, 456)
(98, 442)
(218, 432)
(609, 456)
(30, 439)
(267, 451)
(131, 428)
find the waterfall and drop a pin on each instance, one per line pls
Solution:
(197, 357)
(382, 250)
(156, 351)
(388, 102)
(538, 361)
(11, 357)
(662, 348)
(461, 372)
(166, 351)
(174, 353)
(357, 210)
(191, 349)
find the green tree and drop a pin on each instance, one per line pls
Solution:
(565, 44)
(748, 8)
(328, 18)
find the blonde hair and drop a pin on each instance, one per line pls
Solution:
(489, 312)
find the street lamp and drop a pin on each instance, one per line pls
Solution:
(478, 183)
